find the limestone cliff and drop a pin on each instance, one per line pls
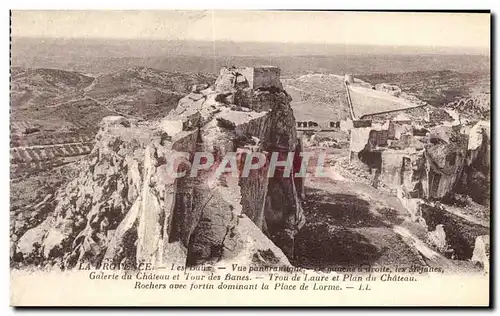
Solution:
(125, 207)
(476, 178)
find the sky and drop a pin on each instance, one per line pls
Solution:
(468, 30)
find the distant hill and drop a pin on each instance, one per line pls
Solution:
(101, 56)
(57, 104)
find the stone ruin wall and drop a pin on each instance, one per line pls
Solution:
(263, 77)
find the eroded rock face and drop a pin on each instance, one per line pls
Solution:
(126, 207)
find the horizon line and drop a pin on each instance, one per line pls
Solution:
(482, 48)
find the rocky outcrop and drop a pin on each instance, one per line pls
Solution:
(460, 231)
(127, 207)
(475, 180)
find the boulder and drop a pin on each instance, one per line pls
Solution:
(391, 89)
(172, 127)
(110, 121)
(481, 252)
(53, 241)
(438, 238)
(130, 202)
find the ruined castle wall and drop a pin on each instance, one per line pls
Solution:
(263, 77)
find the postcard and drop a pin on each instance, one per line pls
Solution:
(250, 158)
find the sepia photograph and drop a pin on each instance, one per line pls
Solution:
(272, 158)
